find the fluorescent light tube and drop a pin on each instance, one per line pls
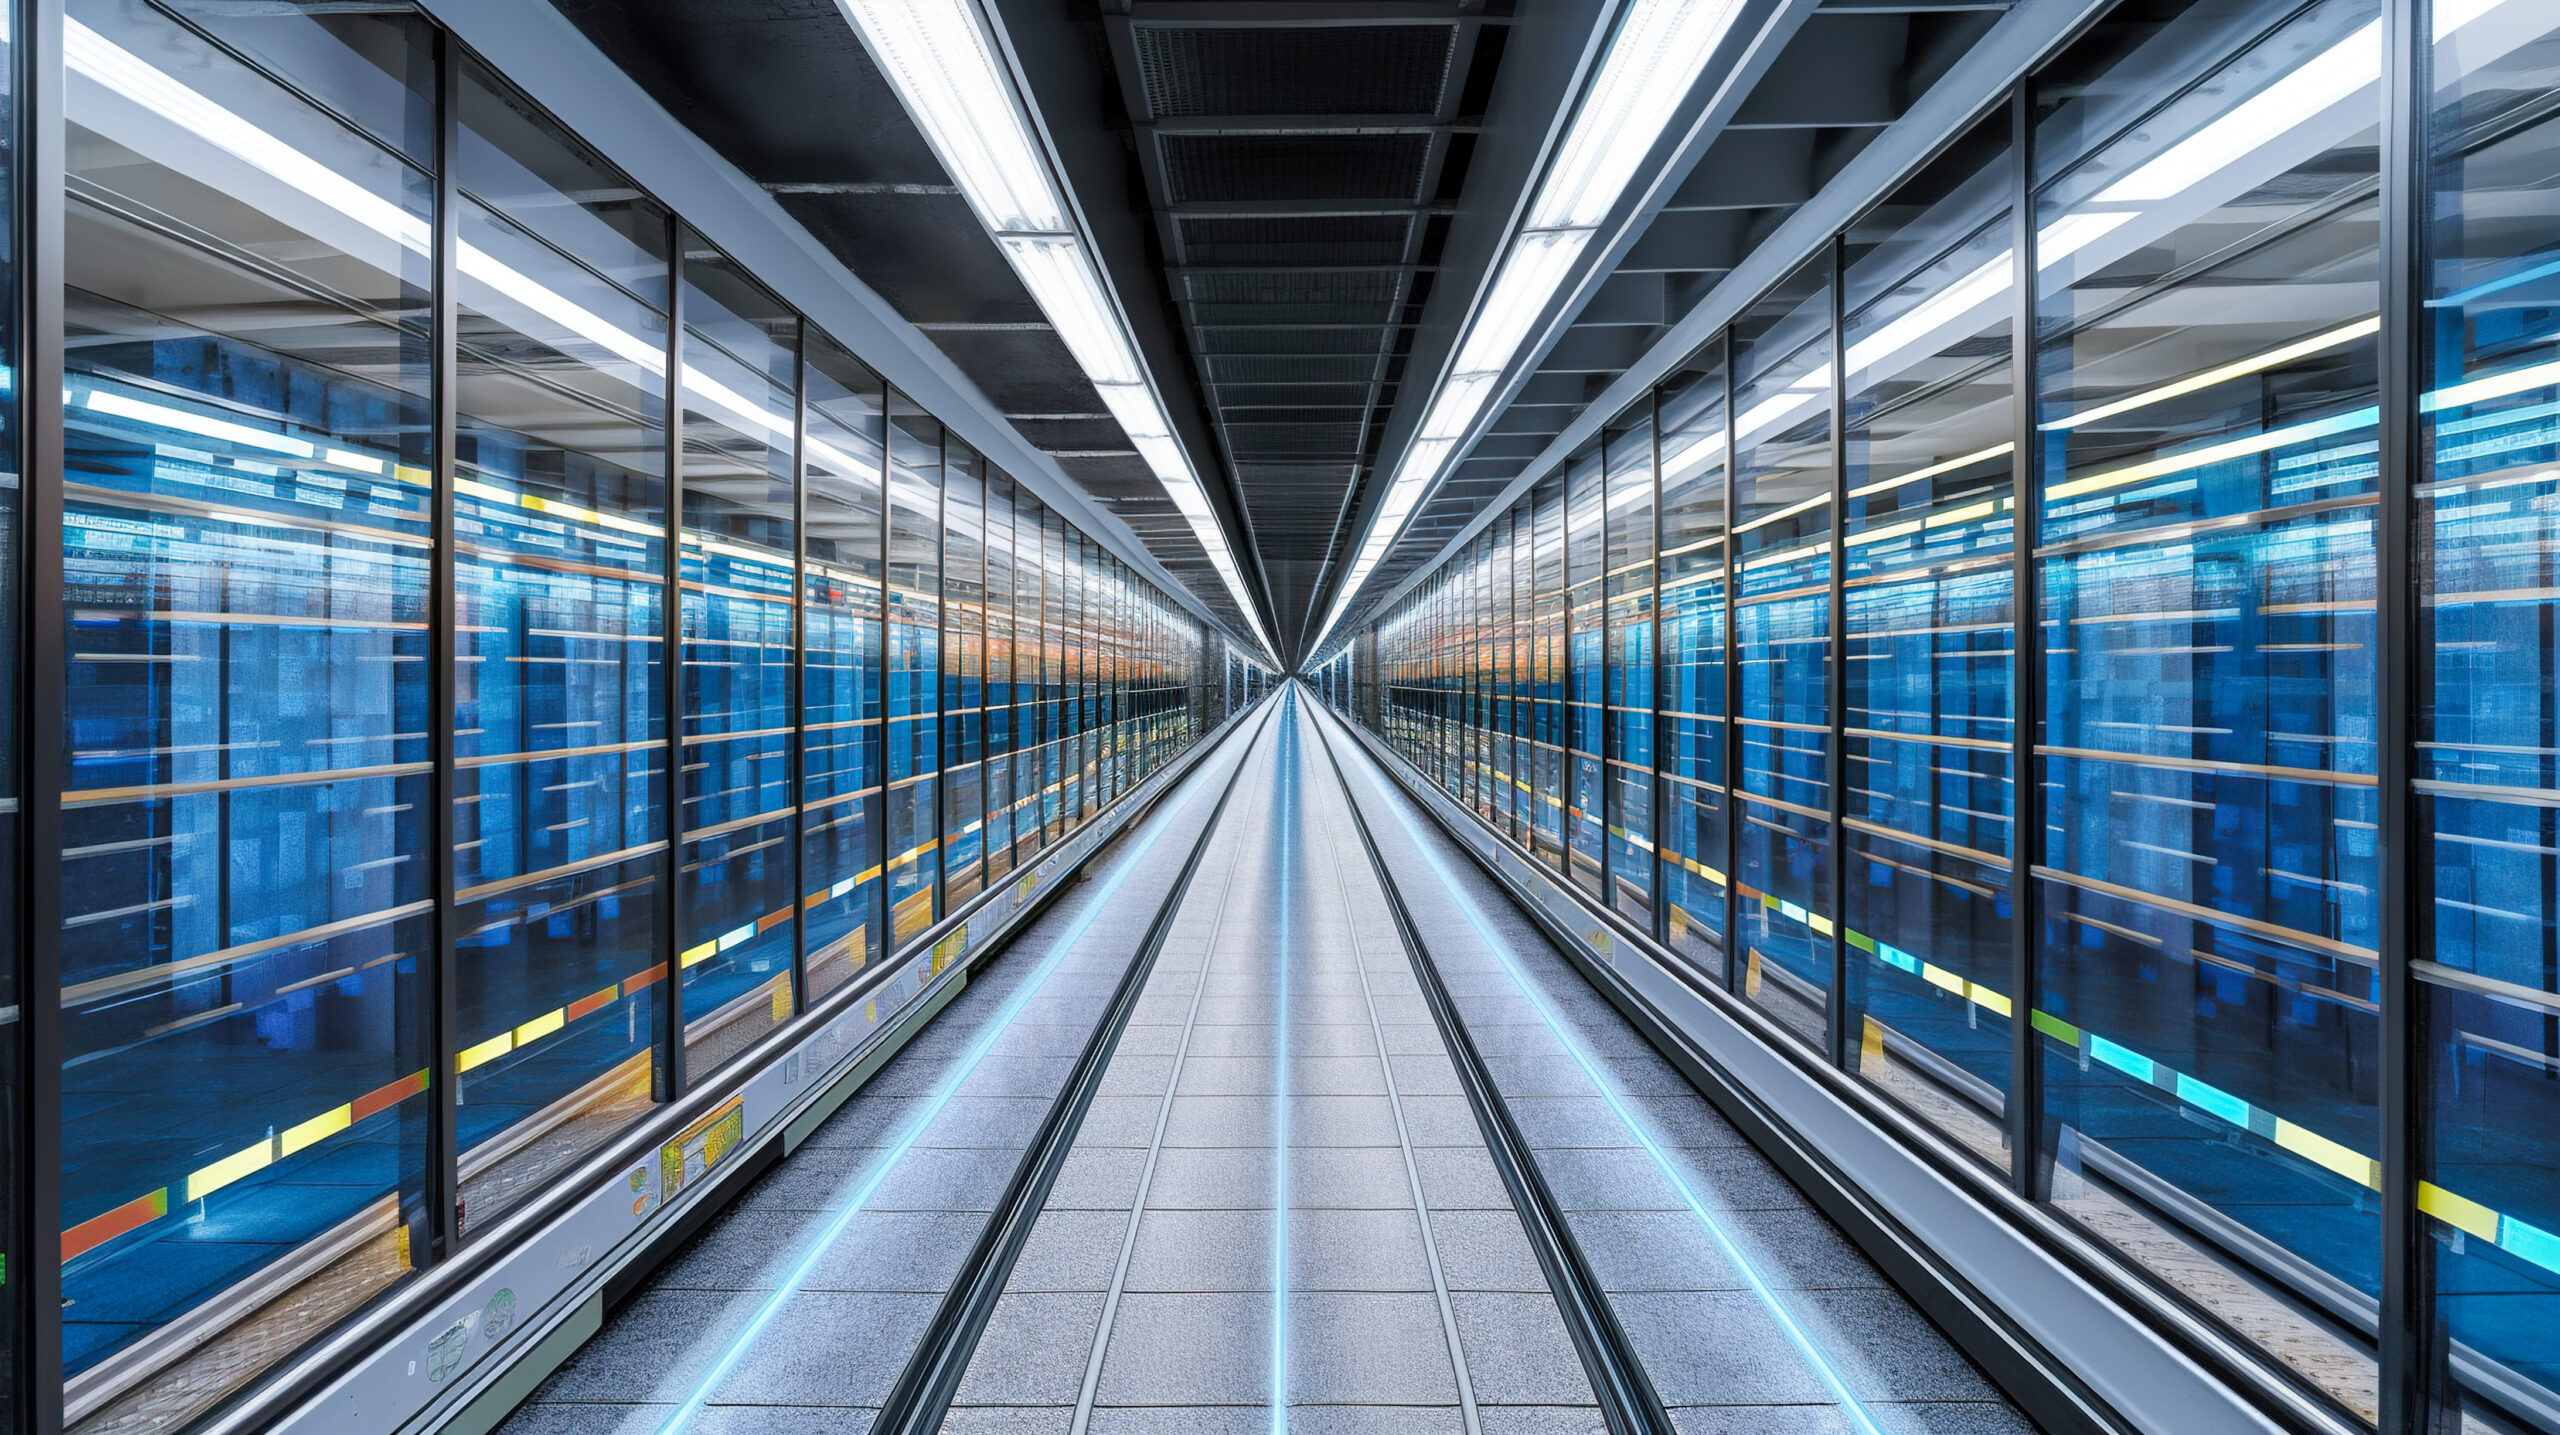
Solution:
(1530, 275)
(1135, 408)
(1658, 53)
(1063, 282)
(944, 67)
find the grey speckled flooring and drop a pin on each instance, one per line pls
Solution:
(1360, 1263)
(1279, 1204)
(831, 1344)
(1665, 1198)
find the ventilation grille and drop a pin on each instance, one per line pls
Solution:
(1291, 440)
(1237, 398)
(1375, 70)
(1210, 169)
(1339, 239)
(1255, 369)
(1293, 341)
(1374, 287)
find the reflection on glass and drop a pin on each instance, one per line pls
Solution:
(1783, 533)
(2206, 303)
(736, 858)
(1502, 676)
(964, 603)
(1628, 770)
(1930, 288)
(914, 866)
(246, 550)
(998, 697)
(1076, 683)
(1031, 732)
(1546, 616)
(559, 816)
(1053, 678)
(1693, 828)
(1524, 667)
(1586, 685)
(2489, 693)
(840, 753)
(1477, 728)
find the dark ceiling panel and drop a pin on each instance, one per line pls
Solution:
(1283, 240)
(1288, 369)
(1277, 340)
(1368, 69)
(1300, 168)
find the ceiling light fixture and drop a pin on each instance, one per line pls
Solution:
(2330, 77)
(1655, 58)
(944, 63)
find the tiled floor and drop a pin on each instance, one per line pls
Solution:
(1279, 1211)
(1665, 1199)
(839, 1256)
(1282, 991)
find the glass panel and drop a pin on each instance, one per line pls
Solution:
(1054, 806)
(999, 685)
(1585, 684)
(1076, 682)
(246, 557)
(1696, 850)
(1031, 668)
(2205, 314)
(1524, 674)
(840, 668)
(1629, 768)
(379, 77)
(1479, 620)
(1930, 290)
(1107, 631)
(1547, 615)
(1782, 637)
(915, 594)
(737, 860)
(2489, 692)
(560, 802)
(1503, 805)
(964, 603)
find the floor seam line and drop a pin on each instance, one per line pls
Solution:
(1086, 1395)
(1412, 1171)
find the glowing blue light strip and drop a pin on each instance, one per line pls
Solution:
(835, 1227)
(1859, 1419)
(1280, 1102)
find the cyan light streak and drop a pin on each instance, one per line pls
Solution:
(1280, 1103)
(827, 1235)
(1859, 1419)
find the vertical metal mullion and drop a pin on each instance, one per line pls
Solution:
(881, 939)
(1564, 664)
(1659, 790)
(43, 735)
(2417, 1393)
(941, 663)
(442, 1194)
(796, 762)
(1732, 739)
(671, 657)
(2026, 654)
(1835, 1023)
